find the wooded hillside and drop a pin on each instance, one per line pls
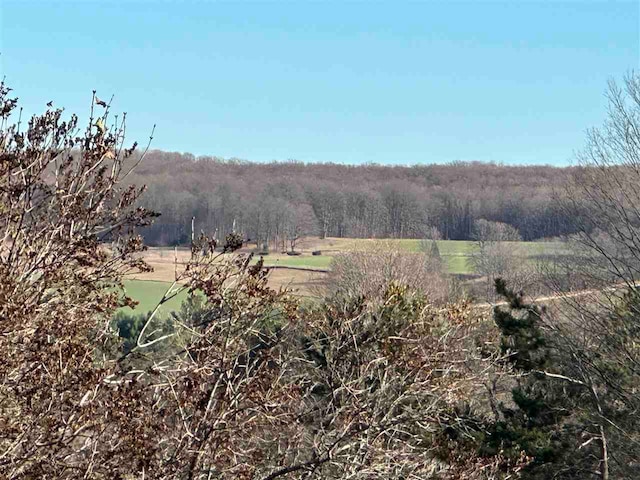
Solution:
(272, 201)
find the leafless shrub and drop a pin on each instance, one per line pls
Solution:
(498, 255)
(60, 196)
(382, 382)
(368, 270)
(71, 404)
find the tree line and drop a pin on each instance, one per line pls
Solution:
(275, 202)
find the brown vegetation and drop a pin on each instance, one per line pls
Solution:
(366, 271)
(373, 381)
(268, 202)
(239, 384)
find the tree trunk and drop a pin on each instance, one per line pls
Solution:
(604, 462)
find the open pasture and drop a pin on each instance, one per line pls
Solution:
(148, 293)
(303, 272)
(455, 254)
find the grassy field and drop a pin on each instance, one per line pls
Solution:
(306, 261)
(149, 288)
(148, 293)
(455, 254)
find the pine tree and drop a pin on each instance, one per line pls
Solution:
(522, 338)
(541, 420)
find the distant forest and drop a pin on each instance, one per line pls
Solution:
(274, 202)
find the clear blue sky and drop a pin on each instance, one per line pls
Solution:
(392, 82)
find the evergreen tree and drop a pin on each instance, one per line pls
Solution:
(543, 420)
(522, 337)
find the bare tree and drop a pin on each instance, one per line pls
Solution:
(432, 233)
(498, 255)
(367, 270)
(598, 328)
(351, 201)
(299, 222)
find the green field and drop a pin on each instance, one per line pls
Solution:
(446, 247)
(455, 255)
(148, 293)
(306, 261)
(466, 247)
